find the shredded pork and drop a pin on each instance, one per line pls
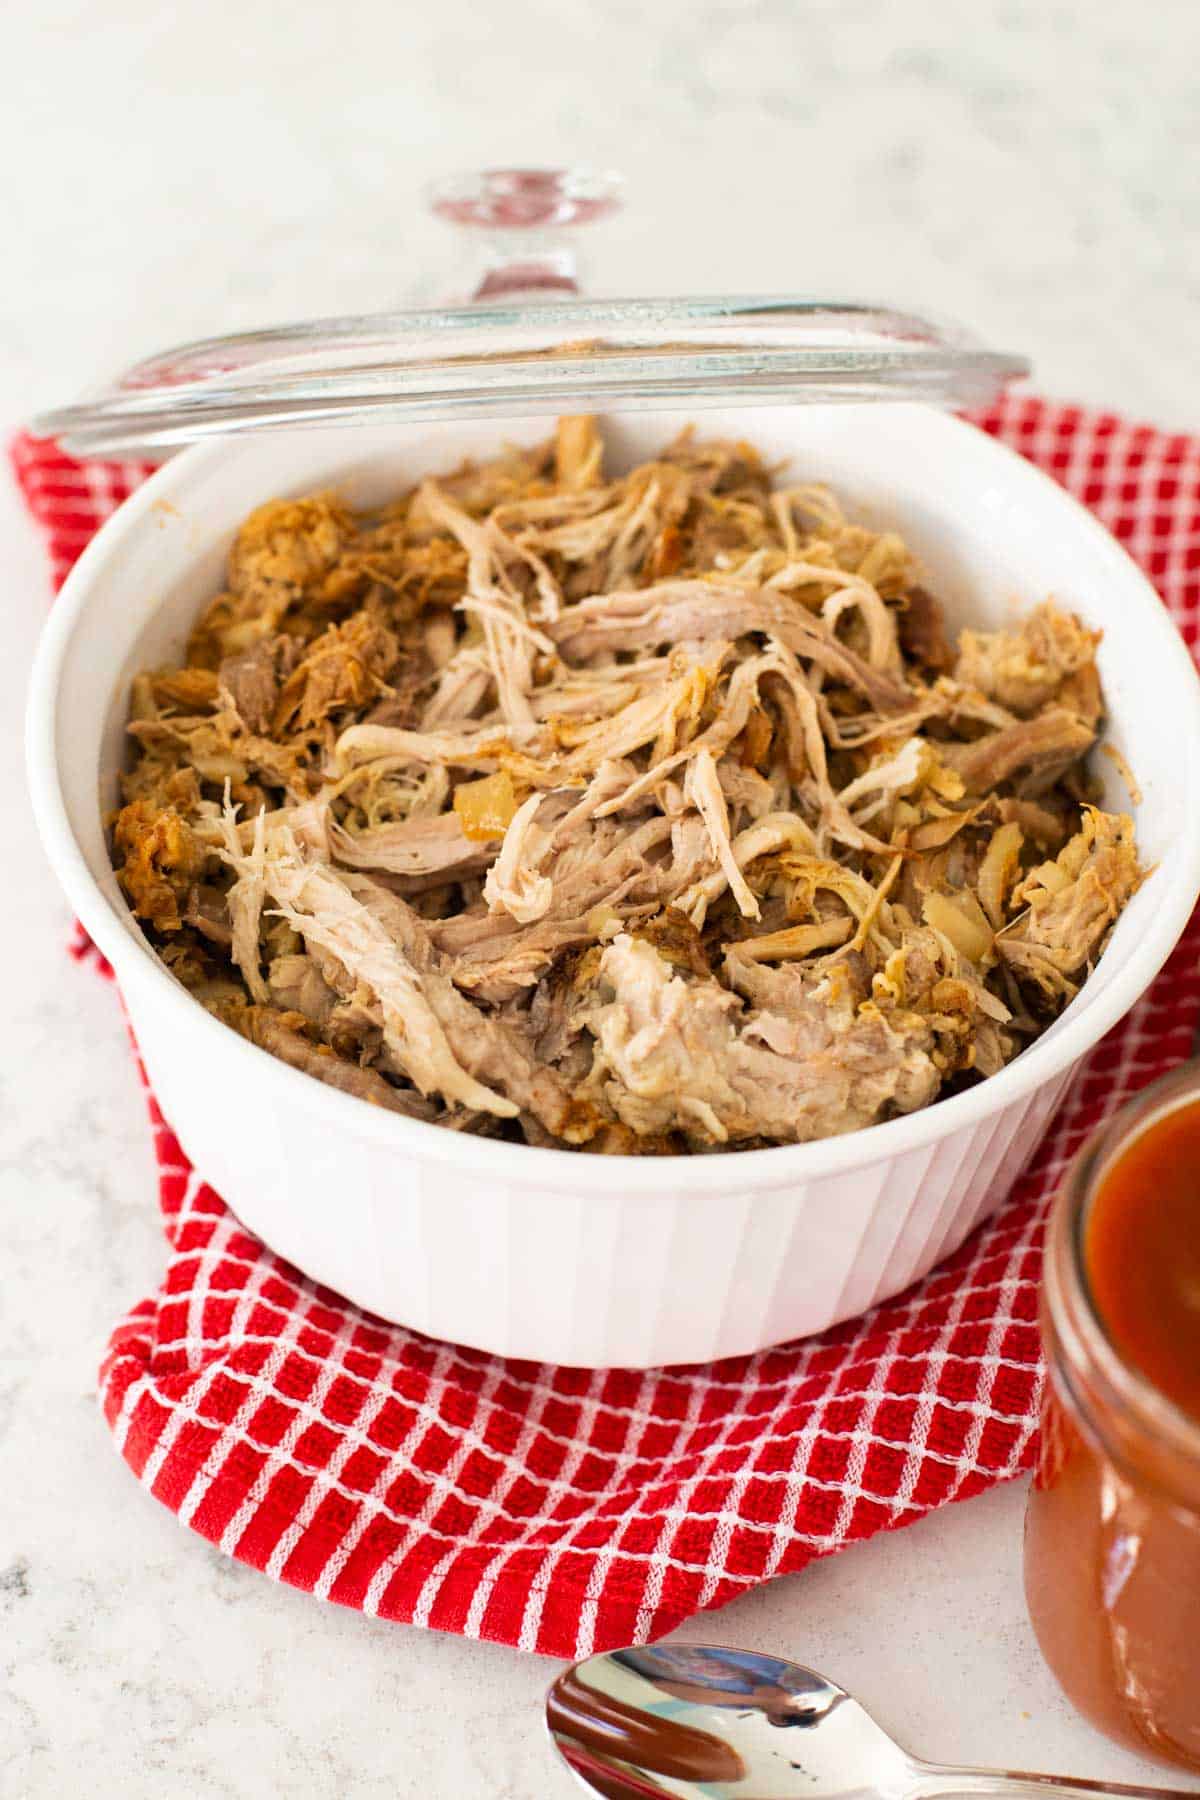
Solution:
(644, 812)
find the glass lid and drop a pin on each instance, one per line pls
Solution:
(526, 345)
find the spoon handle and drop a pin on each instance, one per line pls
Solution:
(935, 1779)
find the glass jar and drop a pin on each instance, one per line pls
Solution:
(1112, 1540)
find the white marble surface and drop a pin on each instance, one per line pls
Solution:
(1028, 165)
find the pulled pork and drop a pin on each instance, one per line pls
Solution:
(646, 813)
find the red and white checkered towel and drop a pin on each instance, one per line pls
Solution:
(565, 1511)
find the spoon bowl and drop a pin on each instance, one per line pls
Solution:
(704, 1722)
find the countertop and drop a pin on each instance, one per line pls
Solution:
(1025, 165)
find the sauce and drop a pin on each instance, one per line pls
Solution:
(1112, 1547)
(1141, 1254)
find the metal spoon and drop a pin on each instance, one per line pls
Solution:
(700, 1722)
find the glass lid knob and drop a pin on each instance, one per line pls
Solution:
(523, 225)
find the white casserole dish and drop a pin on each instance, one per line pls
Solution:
(550, 1254)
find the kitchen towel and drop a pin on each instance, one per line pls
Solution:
(565, 1511)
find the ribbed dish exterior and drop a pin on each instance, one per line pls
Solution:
(599, 1278)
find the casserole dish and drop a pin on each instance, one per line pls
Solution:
(537, 1252)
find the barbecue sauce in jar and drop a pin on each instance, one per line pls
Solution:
(1112, 1546)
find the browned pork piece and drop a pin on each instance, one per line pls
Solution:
(283, 1034)
(1070, 905)
(683, 1055)
(1028, 667)
(642, 811)
(1033, 753)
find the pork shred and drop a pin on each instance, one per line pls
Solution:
(644, 812)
